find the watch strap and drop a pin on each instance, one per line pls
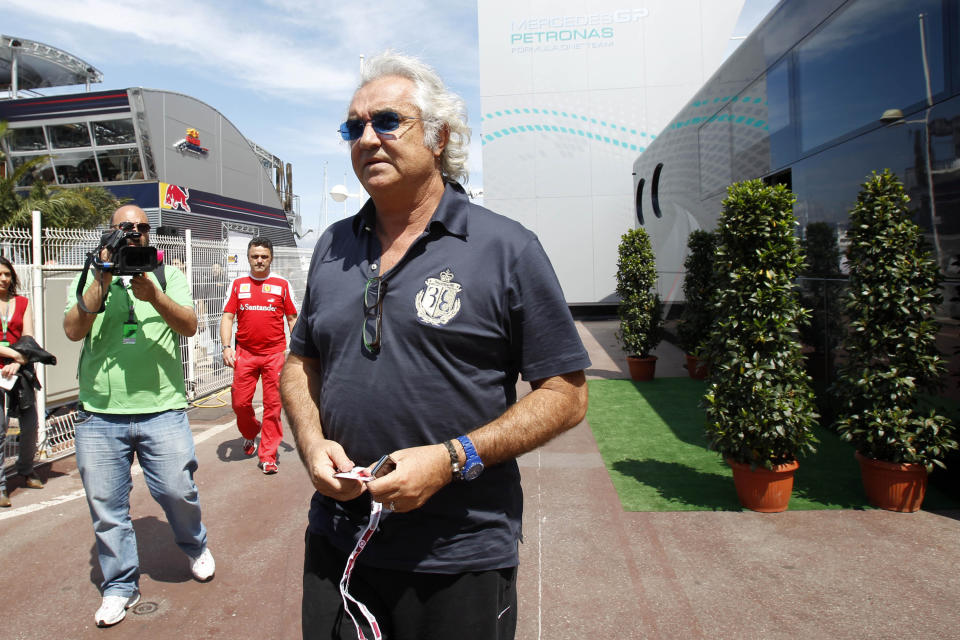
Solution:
(454, 460)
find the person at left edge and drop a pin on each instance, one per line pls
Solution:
(133, 401)
(259, 301)
(16, 316)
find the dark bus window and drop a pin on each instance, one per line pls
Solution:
(27, 139)
(868, 54)
(655, 191)
(640, 200)
(108, 132)
(69, 136)
(781, 177)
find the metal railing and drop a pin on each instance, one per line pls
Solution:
(61, 254)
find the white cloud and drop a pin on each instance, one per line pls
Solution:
(210, 38)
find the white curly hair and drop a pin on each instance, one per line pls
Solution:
(439, 107)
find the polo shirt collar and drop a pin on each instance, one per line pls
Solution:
(451, 213)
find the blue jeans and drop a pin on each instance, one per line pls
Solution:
(163, 443)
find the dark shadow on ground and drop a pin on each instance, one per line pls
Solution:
(160, 557)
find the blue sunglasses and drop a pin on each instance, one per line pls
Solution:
(383, 122)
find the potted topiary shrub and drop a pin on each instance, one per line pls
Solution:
(640, 309)
(697, 314)
(891, 354)
(821, 287)
(759, 404)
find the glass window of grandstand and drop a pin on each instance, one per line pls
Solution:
(41, 169)
(27, 139)
(110, 132)
(120, 164)
(76, 167)
(872, 55)
(83, 152)
(69, 136)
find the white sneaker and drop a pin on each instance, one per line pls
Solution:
(113, 609)
(203, 567)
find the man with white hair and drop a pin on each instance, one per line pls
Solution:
(419, 314)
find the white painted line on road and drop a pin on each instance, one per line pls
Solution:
(135, 470)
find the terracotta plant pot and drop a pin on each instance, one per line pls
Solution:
(764, 490)
(696, 368)
(893, 486)
(642, 369)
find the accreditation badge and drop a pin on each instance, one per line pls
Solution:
(129, 333)
(4, 343)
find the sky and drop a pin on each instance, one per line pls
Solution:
(282, 71)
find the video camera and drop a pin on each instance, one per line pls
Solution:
(127, 260)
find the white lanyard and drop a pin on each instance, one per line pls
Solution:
(375, 509)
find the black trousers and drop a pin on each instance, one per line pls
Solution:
(407, 605)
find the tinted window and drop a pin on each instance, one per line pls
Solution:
(120, 164)
(867, 58)
(640, 200)
(73, 168)
(69, 136)
(655, 191)
(27, 139)
(114, 132)
(40, 171)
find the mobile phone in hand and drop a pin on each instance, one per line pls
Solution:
(383, 466)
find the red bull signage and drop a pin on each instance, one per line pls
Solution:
(174, 197)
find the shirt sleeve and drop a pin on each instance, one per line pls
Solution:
(231, 305)
(545, 338)
(289, 304)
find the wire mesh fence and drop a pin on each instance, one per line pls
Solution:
(63, 253)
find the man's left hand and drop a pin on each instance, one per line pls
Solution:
(143, 288)
(420, 473)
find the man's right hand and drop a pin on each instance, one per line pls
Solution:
(325, 459)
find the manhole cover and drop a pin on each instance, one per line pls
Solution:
(145, 608)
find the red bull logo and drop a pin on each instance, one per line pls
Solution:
(175, 197)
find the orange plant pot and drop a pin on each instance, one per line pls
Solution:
(642, 369)
(893, 486)
(764, 490)
(696, 368)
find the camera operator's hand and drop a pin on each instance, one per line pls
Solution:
(143, 288)
(103, 277)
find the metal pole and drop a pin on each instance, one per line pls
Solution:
(192, 340)
(325, 196)
(14, 70)
(38, 334)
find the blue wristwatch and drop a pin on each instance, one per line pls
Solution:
(473, 467)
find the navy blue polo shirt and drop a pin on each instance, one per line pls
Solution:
(473, 304)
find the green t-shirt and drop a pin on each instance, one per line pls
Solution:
(144, 376)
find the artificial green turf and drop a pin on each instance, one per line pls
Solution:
(651, 436)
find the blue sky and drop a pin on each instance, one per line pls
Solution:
(282, 71)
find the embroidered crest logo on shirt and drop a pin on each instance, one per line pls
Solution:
(271, 288)
(439, 302)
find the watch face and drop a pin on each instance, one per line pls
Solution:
(473, 471)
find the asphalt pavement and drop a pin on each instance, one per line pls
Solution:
(588, 569)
